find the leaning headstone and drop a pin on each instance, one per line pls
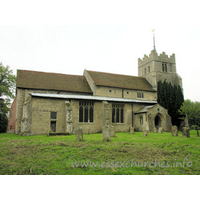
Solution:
(174, 131)
(112, 131)
(132, 130)
(160, 130)
(145, 133)
(155, 130)
(186, 132)
(197, 132)
(106, 133)
(79, 134)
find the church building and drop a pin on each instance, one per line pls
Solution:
(61, 103)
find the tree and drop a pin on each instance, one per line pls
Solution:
(192, 110)
(171, 98)
(7, 89)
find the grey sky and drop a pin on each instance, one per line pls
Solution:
(106, 36)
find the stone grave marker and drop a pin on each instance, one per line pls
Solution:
(79, 134)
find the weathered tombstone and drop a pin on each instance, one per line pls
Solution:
(186, 132)
(79, 134)
(160, 130)
(132, 130)
(145, 133)
(112, 131)
(106, 133)
(174, 131)
(155, 130)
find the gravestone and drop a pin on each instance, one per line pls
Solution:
(186, 132)
(174, 131)
(155, 130)
(79, 134)
(160, 130)
(145, 133)
(106, 133)
(112, 131)
(132, 130)
(197, 133)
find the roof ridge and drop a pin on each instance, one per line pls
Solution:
(49, 73)
(115, 74)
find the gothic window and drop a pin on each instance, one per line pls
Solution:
(53, 121)
(80, 113)
(91, 114)
(117, 113)
(148, 68)
(164, 67)
(86, 111)
(145, 71)
(117, 119)
(122, 115)
(113, 115)
(86, 114)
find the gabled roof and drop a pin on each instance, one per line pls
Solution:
(120, 81)
(52, 81)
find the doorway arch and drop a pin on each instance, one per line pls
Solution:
(158, 121)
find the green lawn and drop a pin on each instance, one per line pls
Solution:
(56, 154)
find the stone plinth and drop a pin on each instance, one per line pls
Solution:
(132, 130)
(155, 130)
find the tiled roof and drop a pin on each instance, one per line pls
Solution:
(120, 81)
(52, 81)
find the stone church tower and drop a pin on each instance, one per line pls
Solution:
(159, 67)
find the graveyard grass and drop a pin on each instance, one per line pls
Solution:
(55, 154)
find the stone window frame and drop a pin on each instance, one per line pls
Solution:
(86, 112)
(164, 66)
(53, 120)
(140, 95)
(117, 113)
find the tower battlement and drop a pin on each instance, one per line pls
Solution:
(153, 56)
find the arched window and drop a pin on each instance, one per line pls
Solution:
(148, 68)
(113, 115)
(86, 111)
(122, 115)
(86, 114)
(117, 120)
(81, 114)
(91, 114)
